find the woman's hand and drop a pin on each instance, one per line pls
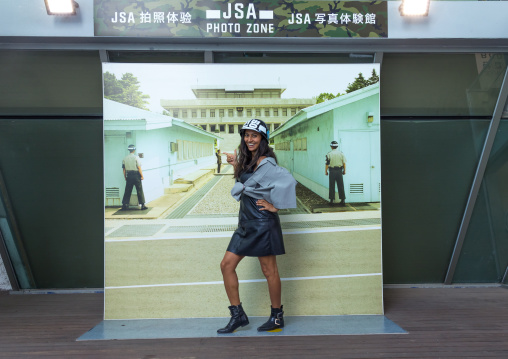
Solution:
(266, 206)
(231, 158)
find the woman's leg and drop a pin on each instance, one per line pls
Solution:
(271, 272)
(228, 268)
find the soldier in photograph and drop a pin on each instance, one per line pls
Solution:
(133, 175)
(219, 160)
(336, 164)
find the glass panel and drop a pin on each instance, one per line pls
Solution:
(156, 56)
(53, 171)
(482, 94)
(50, 83)
(484, 255)
(440, 84)
(427, 171)
(291, 58)
(20, 268)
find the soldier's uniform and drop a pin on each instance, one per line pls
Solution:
(130, 163)
(219, 161)
(336, 160)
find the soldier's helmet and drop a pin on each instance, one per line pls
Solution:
(334, 144)
(131, 148)
(258, 126)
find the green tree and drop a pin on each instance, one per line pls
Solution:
(112, 87)
(359, 83)
(126, 90)
(373, 78)
(324, 96)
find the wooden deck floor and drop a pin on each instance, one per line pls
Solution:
(442, 323)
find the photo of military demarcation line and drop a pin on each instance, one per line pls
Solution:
(167, 178)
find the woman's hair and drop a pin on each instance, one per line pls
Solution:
(246, 161)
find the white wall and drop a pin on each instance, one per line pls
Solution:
(451, 20)
(29, 18)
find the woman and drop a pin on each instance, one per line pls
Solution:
(262, 188)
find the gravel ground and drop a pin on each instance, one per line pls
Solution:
(218, 200)
(309, 198)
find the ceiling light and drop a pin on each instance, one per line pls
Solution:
(414, 7)
(61, 7)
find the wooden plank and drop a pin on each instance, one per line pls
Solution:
(442, 323)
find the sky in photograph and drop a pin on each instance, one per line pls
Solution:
(174, 81)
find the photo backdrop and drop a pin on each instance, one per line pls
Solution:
(163, 262)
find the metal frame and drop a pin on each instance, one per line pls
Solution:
(478, 178)
(16, 234)
(11, 274)
(313, 45)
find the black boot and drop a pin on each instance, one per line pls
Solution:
(275, 321)
(238, 319)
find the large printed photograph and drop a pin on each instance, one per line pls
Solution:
(169, 213)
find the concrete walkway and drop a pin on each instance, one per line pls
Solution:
(224, 225)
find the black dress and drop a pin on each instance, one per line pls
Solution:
(259, 233)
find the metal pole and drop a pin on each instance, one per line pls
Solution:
(11, 274)
(505, 277)
(477, 181)
(208, 57)
(16, 234)
(104, 56)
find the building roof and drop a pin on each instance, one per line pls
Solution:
(118, 116)
(315, 110)
(238, 88)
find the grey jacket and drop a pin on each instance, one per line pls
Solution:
(271, 183)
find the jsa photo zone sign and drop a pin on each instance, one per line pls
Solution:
(213, 18)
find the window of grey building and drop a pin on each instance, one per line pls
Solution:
(249, 112)
(175, 113)
(184, 113)
(276, 126)
(267, 112)
(231, 128)
(230, 112)
(291, 58)
(284, 112)
(239, 128)
(258, 112)
(203, 127)
(212, 113)
(212, 128)
(194, 113)
(221, 112)
(276, 112)
(293, 111)
(222, 128)
(203, 113)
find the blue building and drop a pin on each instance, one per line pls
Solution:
(353, 121)
(169, 148)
